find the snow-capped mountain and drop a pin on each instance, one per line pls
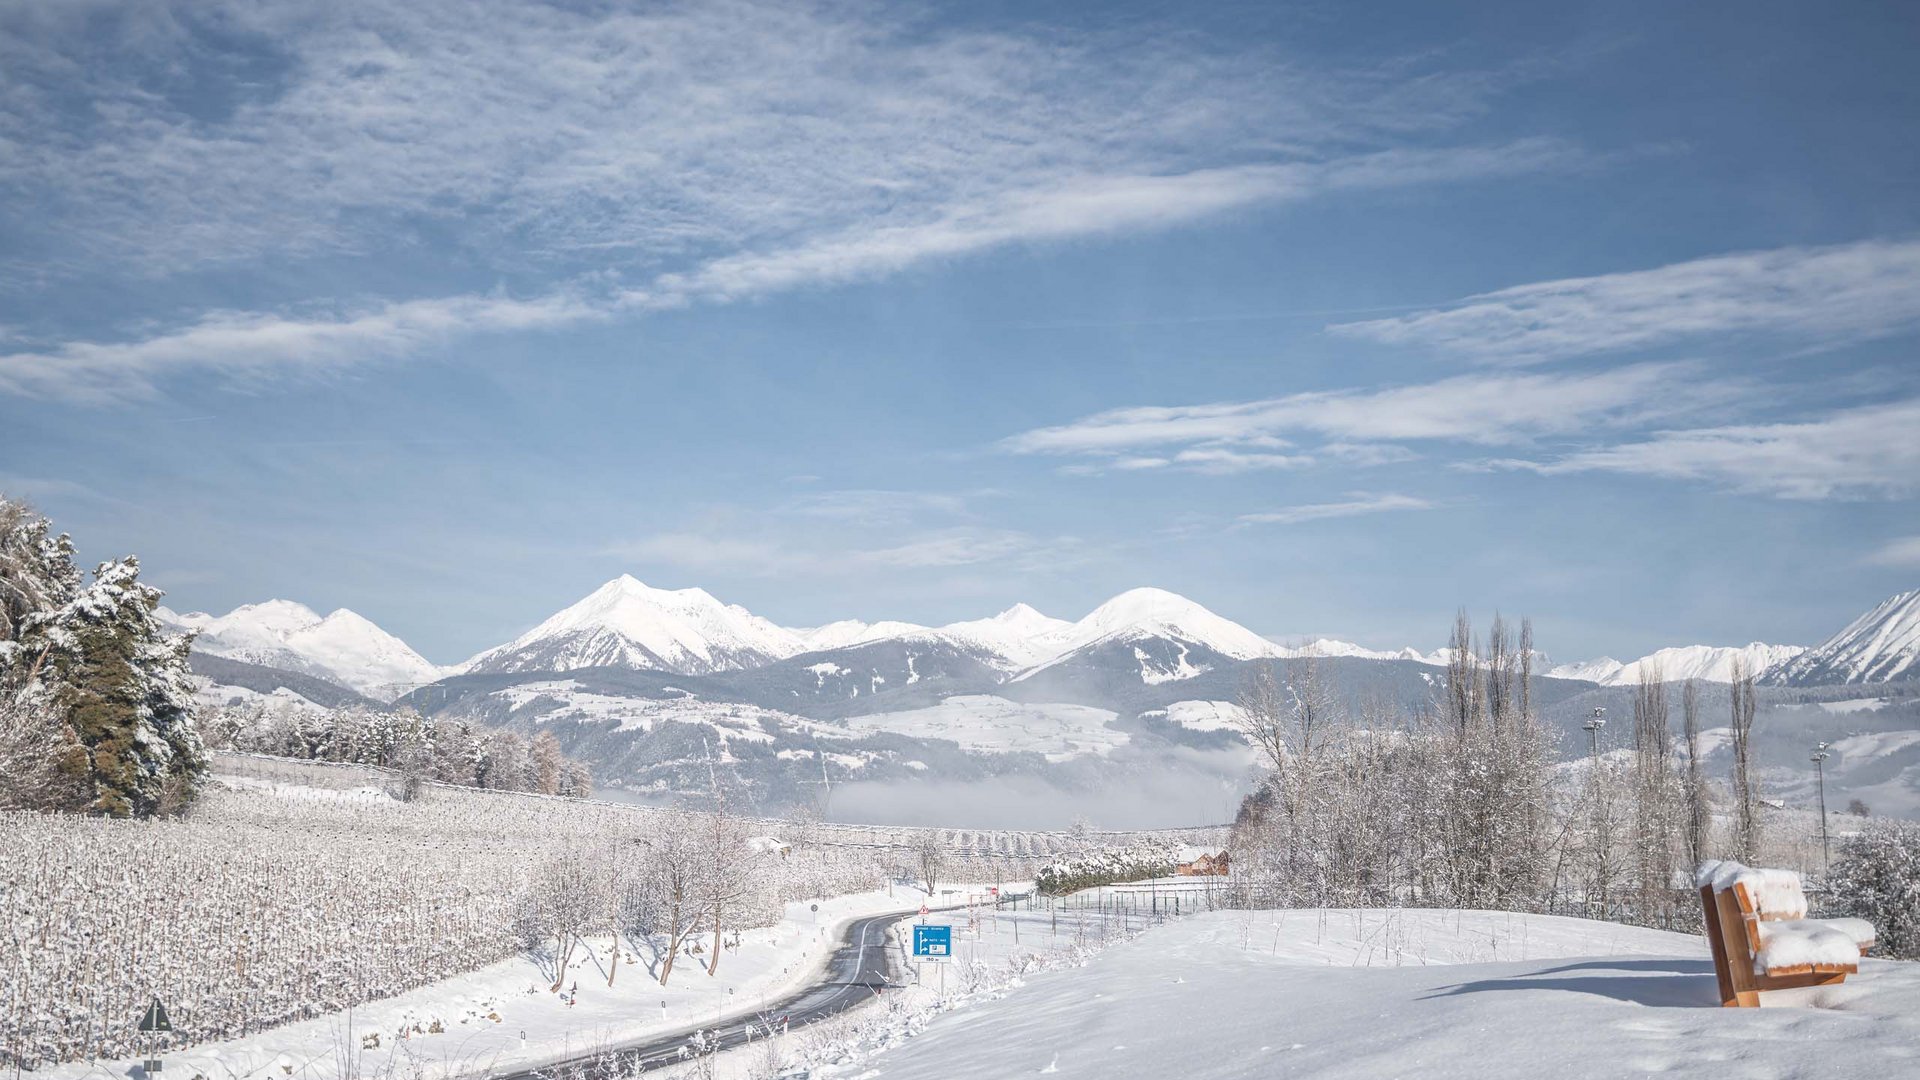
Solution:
(1331, 647)
(342, 647)
(1020, 636)
(1881, 646)
(1708, 663)
(625, 623)
(1167, 635)
(845, 632)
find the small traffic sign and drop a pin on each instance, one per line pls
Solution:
(933, 942)
(156, 1018)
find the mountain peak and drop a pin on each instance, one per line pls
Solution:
(1879, 646)
(628, 623)
(345, 647)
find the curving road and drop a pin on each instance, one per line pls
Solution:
(856, 972)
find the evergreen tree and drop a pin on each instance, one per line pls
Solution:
(124, 686)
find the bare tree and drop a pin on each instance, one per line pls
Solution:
(40, 757)
(931, 857)
(728, 878)
(1653, 798)
(1699, 815)
(1262, 717)
(1746, 835)
(675, 901)
(563, 901)
(1464, 687)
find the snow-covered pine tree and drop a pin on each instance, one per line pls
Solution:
(124, 687)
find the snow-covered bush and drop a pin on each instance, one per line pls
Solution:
(1877, 878)
(1112, 866)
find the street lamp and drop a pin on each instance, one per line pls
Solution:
(1592, 728)
(1820, 776)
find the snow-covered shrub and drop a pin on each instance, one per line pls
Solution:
(1877, 878)
(1112, 866)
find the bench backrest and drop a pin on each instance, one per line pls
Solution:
(1764, 894)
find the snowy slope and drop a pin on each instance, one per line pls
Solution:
(1881, 646)
(1366, 995)
(1708, 663)
(342, 647)
(625, 623)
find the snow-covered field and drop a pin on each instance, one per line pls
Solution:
(503, 1017)
(1426, 993)
(993, 724)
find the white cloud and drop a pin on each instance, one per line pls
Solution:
(1867, 452)
(639, 133)
(245, 344)
(1356, 503)
(1826, 294)
(676, 155)
(721, 548)
(1483, 409)
(1904, 551)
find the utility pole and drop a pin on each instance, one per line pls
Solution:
(1820, 776)
(1592, 728)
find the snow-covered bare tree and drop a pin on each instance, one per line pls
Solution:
(1655, 839)
(1746, 821)
(1699, 814)
(930, 858)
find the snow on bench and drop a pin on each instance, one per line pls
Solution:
(1761, 937)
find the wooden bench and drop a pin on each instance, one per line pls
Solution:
(1761, 938)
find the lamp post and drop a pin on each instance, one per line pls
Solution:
(1820, 777)
(1598, 791)
(1592, 728)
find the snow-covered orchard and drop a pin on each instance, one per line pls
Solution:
(273, 901)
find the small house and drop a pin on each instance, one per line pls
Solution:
(1200, 862)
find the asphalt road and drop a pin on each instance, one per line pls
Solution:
(856, 972)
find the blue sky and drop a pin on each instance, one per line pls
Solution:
(1333, 318)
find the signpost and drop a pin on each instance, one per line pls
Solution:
(934, 943)
(151, 1024)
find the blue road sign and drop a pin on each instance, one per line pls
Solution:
(933, 941)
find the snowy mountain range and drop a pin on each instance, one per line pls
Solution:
(627, 624)
(1708, 663)
(1881, 646)
(1156, 635)
(342, 647)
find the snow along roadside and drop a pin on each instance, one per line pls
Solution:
(474, 1023)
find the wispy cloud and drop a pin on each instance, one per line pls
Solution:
(238, 343)
(644, 132)
(1902, 552)
(245, 345)
(715, 551)
(1829, 294)
(1362, 426)
(671, 156)
(1355, 504)
(1866, 452)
